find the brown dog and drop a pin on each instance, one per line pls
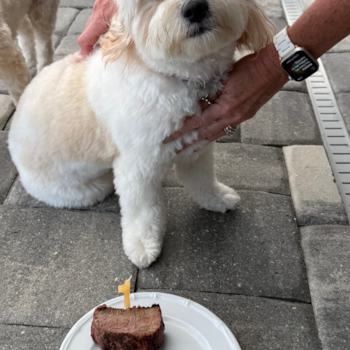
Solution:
(34, 21)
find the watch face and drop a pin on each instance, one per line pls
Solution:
(299, 65)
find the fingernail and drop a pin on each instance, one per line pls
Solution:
(168, 139)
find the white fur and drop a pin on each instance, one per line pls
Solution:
(77, 121)
(31, 20)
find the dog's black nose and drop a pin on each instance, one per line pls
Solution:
(195, 10)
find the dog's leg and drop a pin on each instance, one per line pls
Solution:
(26, 41)
(143, 213)
(43, 18)
(196, 173)
(13, 68)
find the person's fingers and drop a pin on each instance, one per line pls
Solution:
(210, 139)
(216, 136)
(211, 113)
(90, 20)
(86, 43)
(207, 132)
(97, 25)
(90, 36)
(204, 105)
(106, 9)
(184, 145)
(191, 123)
(194, 122)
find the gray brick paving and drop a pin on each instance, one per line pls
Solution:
(236, 137)
(67, 46)
(65, 17)
(292, 85)
(247, 167)
(305, 3)
(18, 196)
(251, 167)
(6, 109)
(274, 12)
(56, 39)
(260, 323)
(327, 257)
(287, 119)
(14, 337)
(8, 170)
(3, 88)
(253, 250)
(279, 23)
(79, 4)
(66, 263)
(241, 166)
(273, 8)
(8, 125)
(343, 46)
(315, 195)
(79, 24)
(56, 265)
(337, 66)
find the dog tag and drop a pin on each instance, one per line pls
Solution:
(202, 94)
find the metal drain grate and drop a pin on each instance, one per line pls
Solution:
(334, 133)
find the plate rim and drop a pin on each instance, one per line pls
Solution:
(153, 295)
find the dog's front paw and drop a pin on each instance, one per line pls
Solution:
(221, 199)
(142, 252)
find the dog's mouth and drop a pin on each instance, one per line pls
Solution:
(199, 31)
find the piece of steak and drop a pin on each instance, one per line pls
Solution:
(137, 328)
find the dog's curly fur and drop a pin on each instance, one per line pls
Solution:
(32, 20)
(85, 128)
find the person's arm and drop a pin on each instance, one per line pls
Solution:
(255, 79)
(98, 24)
(322, 25)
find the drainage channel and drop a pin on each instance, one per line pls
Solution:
(334, 133)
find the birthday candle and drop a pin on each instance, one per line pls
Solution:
(125, 288)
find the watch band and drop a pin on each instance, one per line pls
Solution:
(282, 43)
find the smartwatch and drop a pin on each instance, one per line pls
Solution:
(295, 61)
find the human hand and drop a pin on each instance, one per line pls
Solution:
(98, 24)
(251, 83)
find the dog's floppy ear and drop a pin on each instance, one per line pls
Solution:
(116, 41)
(259, 30)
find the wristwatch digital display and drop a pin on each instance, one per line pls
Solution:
(295, 61)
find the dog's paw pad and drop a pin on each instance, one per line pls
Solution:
(142, 253)
(224, 198)
(231, 201)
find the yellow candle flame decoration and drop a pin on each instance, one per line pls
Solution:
(125, 289)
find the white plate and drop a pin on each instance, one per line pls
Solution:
(188, 325)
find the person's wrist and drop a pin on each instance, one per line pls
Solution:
(272, 62)
(297, 40)
(268, 66)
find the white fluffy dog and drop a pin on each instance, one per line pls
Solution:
(31, 19)
(80, 125)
